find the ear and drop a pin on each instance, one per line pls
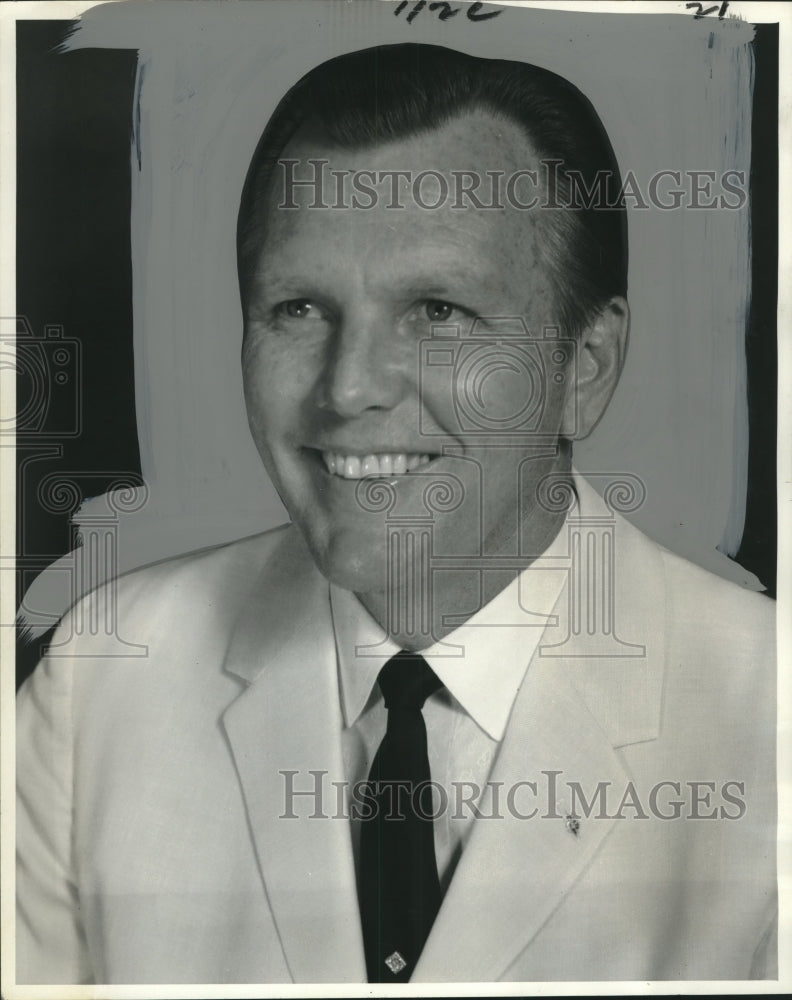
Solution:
(601, 349)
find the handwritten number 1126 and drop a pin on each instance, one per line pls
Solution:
(445, 10)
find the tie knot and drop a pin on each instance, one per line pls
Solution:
(407, 680)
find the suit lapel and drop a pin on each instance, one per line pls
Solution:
(570, 714)
(515, 871)
(285, 725)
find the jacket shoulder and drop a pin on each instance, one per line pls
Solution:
(230, 564)
(190, 594)
(721, 652)
(710, 603)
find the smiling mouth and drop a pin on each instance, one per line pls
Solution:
(381, 464)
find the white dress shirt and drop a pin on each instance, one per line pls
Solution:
(481, 664)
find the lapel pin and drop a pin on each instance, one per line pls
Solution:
(572, 824)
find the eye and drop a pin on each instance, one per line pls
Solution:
(438, 311)
(298, 309)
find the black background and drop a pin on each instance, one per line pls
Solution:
(74, 127)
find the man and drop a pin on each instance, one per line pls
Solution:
(595, 716)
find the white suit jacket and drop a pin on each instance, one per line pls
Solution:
(150, 832)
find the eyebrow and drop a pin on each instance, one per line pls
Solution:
(442, 280)
(449, 274)
(454, 281)
(451, 269)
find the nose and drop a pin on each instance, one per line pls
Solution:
(362, 370)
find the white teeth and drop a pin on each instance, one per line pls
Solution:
(386, 464)
(370, 466)
(352, 467)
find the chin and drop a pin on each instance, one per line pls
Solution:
(352, 560)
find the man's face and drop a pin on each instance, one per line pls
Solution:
(337, 329)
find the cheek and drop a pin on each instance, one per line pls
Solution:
(277, 377)
(256, 384)
(489, 390)
(436, 396)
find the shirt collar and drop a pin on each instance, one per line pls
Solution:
(481, 663)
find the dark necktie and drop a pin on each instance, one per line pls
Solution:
(399, 886)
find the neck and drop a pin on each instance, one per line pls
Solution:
(433, 603)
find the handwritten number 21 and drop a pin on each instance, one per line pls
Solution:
(703, 13)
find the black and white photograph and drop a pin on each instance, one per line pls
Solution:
(396, 462)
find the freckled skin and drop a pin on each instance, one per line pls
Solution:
(346, 372)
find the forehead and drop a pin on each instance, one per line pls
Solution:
(473, 140)
(473, 146)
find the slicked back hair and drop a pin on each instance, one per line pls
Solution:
(368, 98)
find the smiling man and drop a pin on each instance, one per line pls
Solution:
(460, 721)
(342, 294)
